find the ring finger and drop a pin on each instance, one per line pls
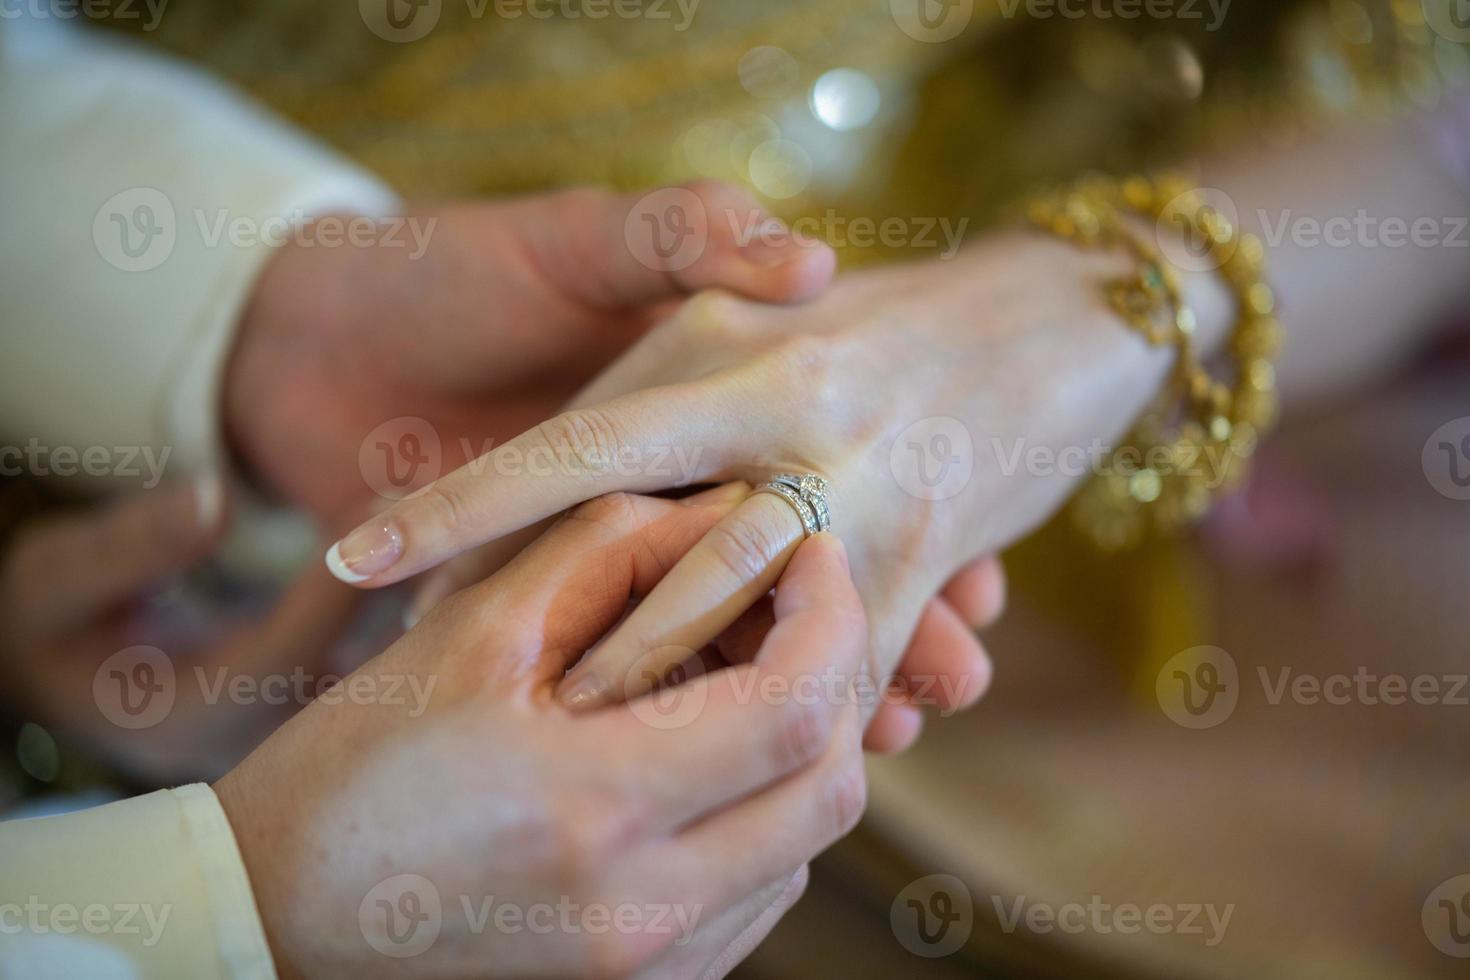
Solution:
(735, 564)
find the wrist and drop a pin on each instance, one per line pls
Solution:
(288, 344)
(262, 871)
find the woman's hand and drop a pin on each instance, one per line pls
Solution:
(74, 593)
(1012, 341)
(510, 308)
(452, 830)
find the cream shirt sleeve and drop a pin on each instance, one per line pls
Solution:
(148, 887)
(142, 199)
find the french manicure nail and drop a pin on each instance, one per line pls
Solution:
(371, 549)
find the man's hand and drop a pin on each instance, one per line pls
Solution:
(511, 307)
(673, 830)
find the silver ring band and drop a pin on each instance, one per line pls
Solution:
(803, 511)
(807, 495)
(813, 491)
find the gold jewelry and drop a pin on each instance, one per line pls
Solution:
(1196, 439)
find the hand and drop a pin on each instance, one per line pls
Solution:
(73, 593)
(486, 787)
(512, 306)
(1013, 338)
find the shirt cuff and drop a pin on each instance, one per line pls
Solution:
(151, 197)
(153, 886)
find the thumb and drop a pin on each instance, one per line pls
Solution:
(69, 570)
(610, 250)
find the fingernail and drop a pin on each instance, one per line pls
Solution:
(371, 549)
(582, 691)
(209, 500)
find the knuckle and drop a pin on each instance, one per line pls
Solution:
(446, 505)
(745, 548)
(586, 440)
(803, 734)
(846, 795)
(615, 511)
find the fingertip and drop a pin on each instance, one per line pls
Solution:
(894, 729)
(977, 592)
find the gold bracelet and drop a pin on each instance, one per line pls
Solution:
(1195, 441)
